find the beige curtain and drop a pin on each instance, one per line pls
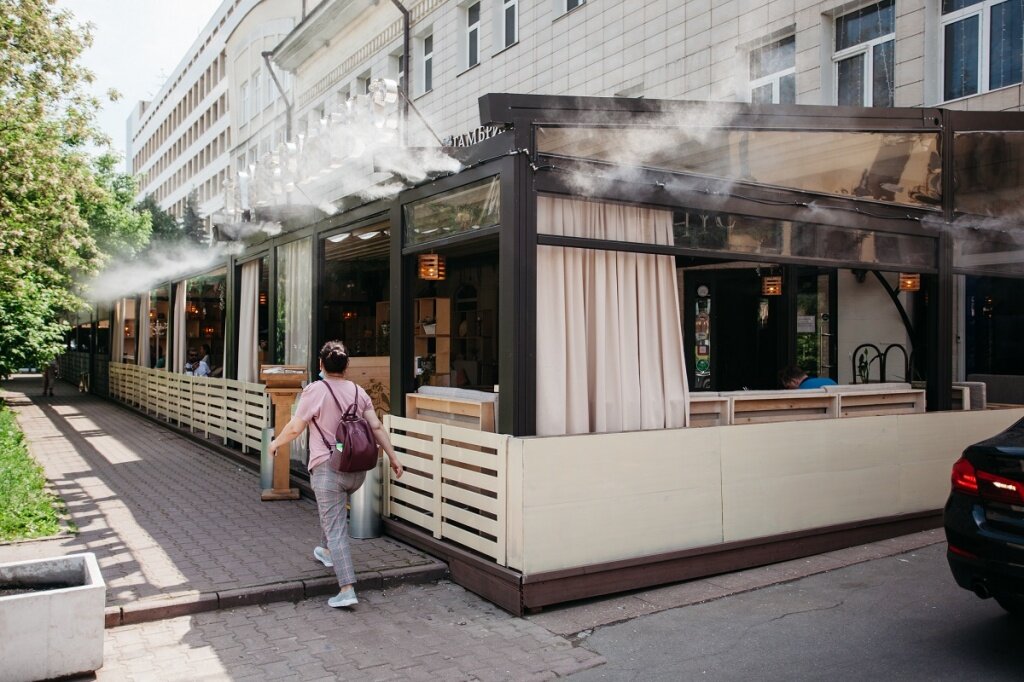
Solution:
(117, 333)
(609, 339)
(294, 286)
(178, 345)
(248, 322)
(143, 331)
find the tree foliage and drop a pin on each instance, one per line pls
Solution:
(50, 189)
(191, 221)
(165, 229)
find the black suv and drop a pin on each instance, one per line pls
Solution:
(984, 519)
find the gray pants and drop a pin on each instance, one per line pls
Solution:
(332, 491)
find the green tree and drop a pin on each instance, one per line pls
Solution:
(165, 229)
(49, 187)
(191, 221)
(119, 230)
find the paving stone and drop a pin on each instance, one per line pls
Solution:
(167, 517)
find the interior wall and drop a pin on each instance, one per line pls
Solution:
(868, 315)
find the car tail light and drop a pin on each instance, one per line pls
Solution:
(968, 480)
(964, 478)
(1000, 489)
(962, 552)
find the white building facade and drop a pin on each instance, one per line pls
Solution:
(953, 53)
(181, 141)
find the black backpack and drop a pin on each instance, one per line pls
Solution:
(355, 447)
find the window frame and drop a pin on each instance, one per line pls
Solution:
(243, 91)
(983, 10)
(472, 58)
(774, 78)
(506, 5)
(865, 48)
(570, 5)
(427, 60)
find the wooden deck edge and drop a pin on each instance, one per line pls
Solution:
(496, 584)
(518, 593)
(554, 587)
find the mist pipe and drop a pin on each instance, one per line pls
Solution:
(287, 104)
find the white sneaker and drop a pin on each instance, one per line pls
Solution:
(343, 598)
(323, 556)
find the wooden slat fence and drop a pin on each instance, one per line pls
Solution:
(225, 408)
(454, 485)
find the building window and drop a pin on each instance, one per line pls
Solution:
(982, 44)
(510, 22)
(573, 4)
(773, 72)
(473, 35)
(400, 69)
(863, 57)
(257, 93)
(428, 63)
(244, 108)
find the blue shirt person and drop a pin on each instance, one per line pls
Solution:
(793, 377)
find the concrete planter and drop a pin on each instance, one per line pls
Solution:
(51, 617)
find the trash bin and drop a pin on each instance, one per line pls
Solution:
(266, 461)
(364, 518)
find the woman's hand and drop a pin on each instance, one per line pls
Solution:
(396, 466)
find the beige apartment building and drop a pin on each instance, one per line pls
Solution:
(180, 141)
(954, 53)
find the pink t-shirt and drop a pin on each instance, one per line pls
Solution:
(316, 403)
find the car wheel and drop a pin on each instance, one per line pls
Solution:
(1014, 605)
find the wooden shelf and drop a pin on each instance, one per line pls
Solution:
(438, 344)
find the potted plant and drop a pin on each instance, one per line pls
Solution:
(429, 325)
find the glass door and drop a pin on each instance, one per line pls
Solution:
(815, 321)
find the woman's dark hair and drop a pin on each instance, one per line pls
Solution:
(206, 349)
(334, 357)
(791, 373)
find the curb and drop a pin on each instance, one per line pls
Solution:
(159, 608)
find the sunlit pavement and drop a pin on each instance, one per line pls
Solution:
(173, 523)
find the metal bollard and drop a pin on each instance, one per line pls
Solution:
(266, 461)
(364, 517)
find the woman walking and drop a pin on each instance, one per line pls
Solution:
(332, 488)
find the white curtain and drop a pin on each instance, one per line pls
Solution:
(294, 291)
(248, 322)
(609, 340)
(179, 343)
(143, 331)
(117, 337)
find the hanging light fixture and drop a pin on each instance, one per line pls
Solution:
(910, 281)
(431, 266)
(771, 285)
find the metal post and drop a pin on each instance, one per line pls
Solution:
(407, 55)
(284, 96)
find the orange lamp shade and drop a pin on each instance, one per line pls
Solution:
(431, 266)
(910, 281)
(771, 285)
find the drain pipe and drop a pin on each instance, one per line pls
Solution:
(287, 105)
(407, 56)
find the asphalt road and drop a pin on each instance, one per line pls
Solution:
(898, 618)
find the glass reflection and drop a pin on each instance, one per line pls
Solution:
(901, 168)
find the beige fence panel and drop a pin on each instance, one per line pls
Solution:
(416, 497)
(230, 409)
(454, 485)
(473, 480)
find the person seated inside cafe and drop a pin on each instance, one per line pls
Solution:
(197, 366)
(794, 377)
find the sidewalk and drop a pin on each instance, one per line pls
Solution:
(176, 527)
